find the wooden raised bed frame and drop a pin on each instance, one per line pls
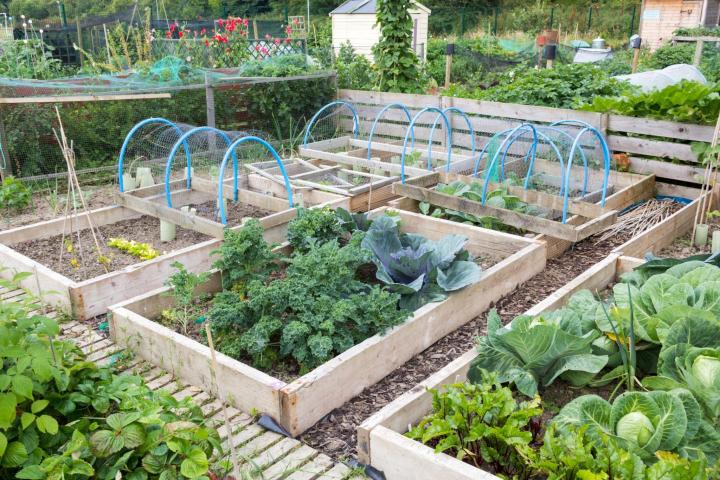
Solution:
(300, 404)
(91, 297)
(381, 442)
(355, 158)
(624, 189)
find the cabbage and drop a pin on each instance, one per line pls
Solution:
(635, 427)
(707, 370)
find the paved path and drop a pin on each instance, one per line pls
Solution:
(264, 455)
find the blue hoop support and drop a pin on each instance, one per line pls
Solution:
(183, 140)
(311, 123)
(448, 128)
(129, 136)
(491, 166)
(377, 118)
(230, 151)
(586, 173)
(606, 161)
(467, 122)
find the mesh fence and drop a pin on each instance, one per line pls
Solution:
(276, 109)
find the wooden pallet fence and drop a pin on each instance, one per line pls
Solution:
(651, 144)
(299, 404)
(381, 442)
(89, 298)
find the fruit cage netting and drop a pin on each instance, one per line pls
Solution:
(272, 108)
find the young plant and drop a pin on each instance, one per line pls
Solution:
(245, 256)
(483, 425)
(184, 284)
(143, 251)
(14, 195)
(421, 270)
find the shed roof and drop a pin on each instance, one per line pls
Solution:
(367, 7)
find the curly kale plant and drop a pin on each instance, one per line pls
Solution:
(313, 225)
(421, 270)
(316, 311)
(244, 256)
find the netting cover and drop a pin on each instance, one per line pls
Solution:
(659, 79)
(592, 55)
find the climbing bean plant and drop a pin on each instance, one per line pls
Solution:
(395, 60)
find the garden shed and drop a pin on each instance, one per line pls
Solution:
(354, 22)
(660, 18)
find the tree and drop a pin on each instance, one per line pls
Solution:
(397, 64)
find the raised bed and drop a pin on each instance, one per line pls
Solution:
(90, 297)
(587, 218)
(385, 161)
(299, 404)
(381, 442)
(664, 234)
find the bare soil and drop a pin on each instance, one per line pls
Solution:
(685, 247)
(235, 211)
(144, 229)
(45, 206)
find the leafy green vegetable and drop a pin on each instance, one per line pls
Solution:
(14, 195)
(419, 269)
(184, 285)
(313, 225)
(536, 351)
(244, 256)
(482, 424)
(316, 311)
(687, 102)
(62, 416)
(646, 422)
(690, 358)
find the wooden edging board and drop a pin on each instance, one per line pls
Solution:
(89, 298)
(381, 442)
(627, 188)
(301, 403)
(664, 234)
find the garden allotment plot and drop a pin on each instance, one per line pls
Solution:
(84, 281)
(298, 400)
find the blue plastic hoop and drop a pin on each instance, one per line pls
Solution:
(129, 136)
(229, 152)
(176, 147)
(377, 118)
(448, 128)
(467, 122)
(311, 123)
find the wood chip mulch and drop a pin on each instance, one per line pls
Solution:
(335, 435)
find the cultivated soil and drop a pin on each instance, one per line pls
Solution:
(335, 435)
(46, 207)
(684, 247)
(144, 229)
(235, 211)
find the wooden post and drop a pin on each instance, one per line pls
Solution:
(255, 31)
(698, 52)
(5, 165)
(449, 52)
(79, 41)
(209, 102)
(636, 58)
